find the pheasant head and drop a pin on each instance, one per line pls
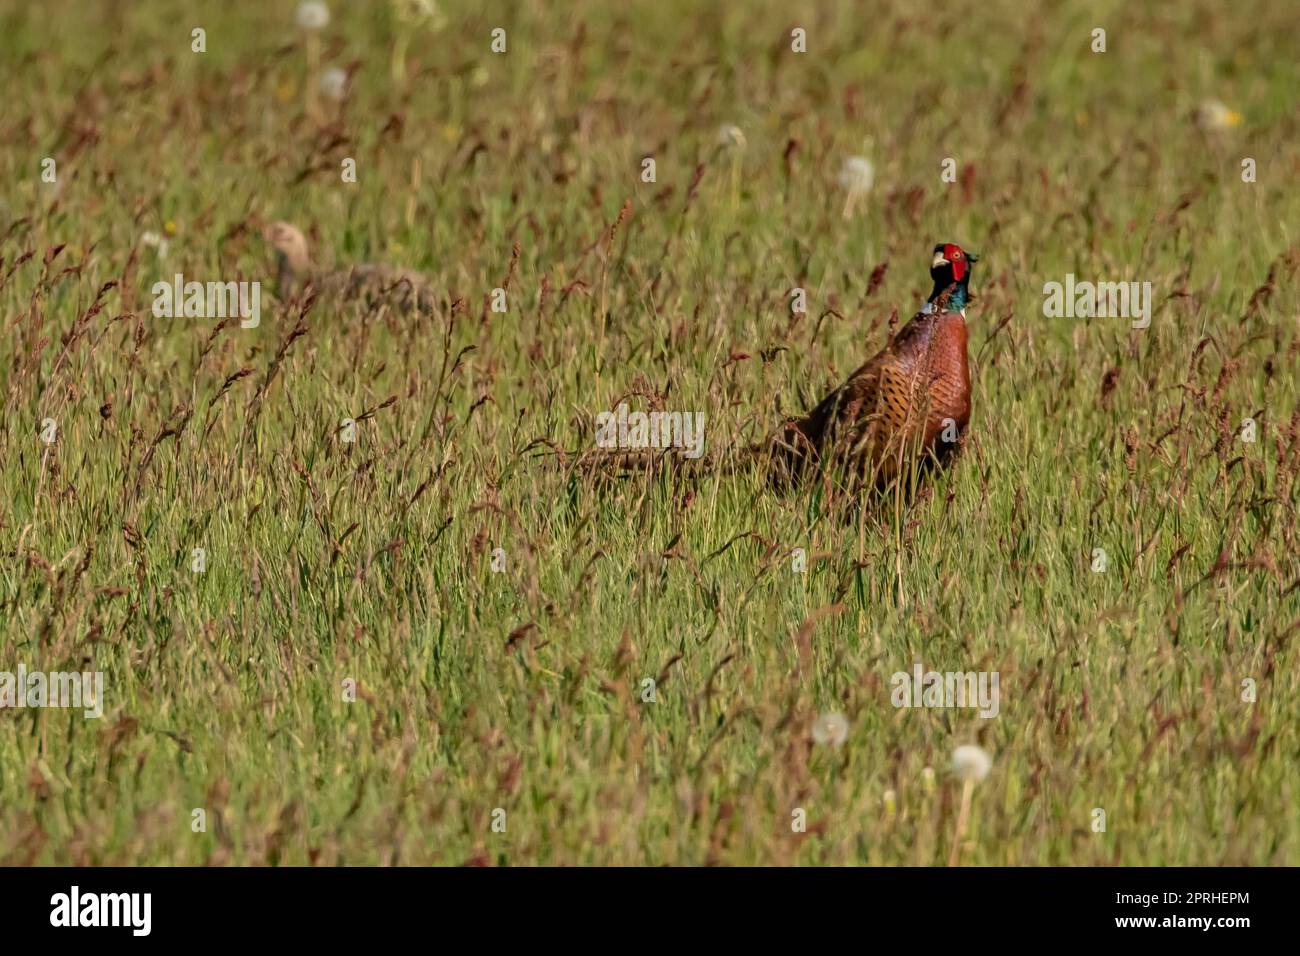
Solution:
(950, 269)
(293, 260)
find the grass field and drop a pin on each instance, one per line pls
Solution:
(523, 690)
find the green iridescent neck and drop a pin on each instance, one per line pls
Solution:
(957, 295)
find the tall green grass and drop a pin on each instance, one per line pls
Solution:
(523, 690)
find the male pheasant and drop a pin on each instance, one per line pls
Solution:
(403, 289)
(909, 401)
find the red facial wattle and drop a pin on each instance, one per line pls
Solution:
(955, 256)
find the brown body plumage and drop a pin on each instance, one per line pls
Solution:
(367, 284)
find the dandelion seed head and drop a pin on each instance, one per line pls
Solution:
(858, 175)
(830, 729)
(313, 15)
(334, 83)
(731, 136)
(971, 762)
